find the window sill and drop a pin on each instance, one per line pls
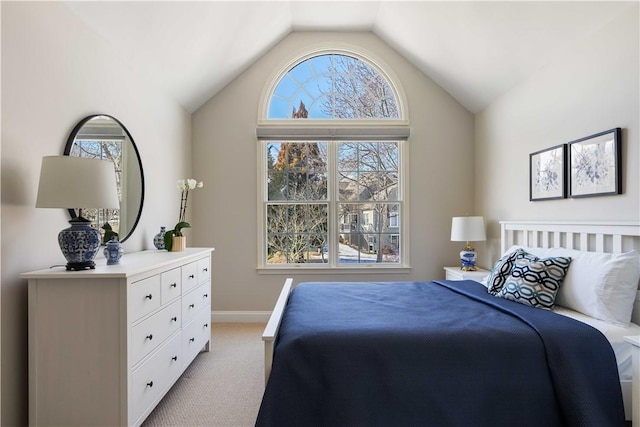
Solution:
(371, 269)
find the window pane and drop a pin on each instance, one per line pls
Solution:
(369, 233)
(368, 171)
(367, 186)
(334, 86)
(388, 156)
(368, 159)
(388, 187)
(347, 156)
(394, 216)
(296, 233)
(297, 171)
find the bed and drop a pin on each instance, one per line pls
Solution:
(388, 353)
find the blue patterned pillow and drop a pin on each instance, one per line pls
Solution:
(502, 270)
(534, 281)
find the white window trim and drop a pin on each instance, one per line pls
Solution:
(332, 130)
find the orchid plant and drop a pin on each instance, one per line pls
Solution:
(185, 186)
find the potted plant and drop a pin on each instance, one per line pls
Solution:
(174, 240)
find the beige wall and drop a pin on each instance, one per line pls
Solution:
(592, 87)
(55, 72)
(225, 150)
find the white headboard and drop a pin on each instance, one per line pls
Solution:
(589, 236)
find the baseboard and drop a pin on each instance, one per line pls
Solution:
(240, 316)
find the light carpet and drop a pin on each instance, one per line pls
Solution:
(221, 388)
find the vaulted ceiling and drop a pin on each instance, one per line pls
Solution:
(475, 50)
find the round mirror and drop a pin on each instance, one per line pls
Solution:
(104, 137)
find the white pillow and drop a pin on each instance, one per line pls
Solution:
(600, 285)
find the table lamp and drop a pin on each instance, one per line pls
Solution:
(74, 182)
(468, 229)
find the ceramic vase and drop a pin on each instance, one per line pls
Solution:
(79, 244)
(158, 239)
(113, 251)
(178, 244)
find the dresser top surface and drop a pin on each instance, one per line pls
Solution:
(130, 264)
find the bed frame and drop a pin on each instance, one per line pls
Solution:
(591, 236)
(594, 236)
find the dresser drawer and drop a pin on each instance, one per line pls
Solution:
(195, 335)
(155, 375)
(170, 285)
(150, 333)
(144, 297)
(189, 276)
(204, 270)
(195, 301)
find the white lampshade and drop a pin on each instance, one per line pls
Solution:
(74, 182)
(468, 229)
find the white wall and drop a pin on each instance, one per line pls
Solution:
(592, 87)
(55, 71)
(224, 156)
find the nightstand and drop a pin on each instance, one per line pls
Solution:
(634, 340)
(455, 273)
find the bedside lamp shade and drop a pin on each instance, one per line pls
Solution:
(73, 182)
(468, 229)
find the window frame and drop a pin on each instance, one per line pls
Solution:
(333, 131)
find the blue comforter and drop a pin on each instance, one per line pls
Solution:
(434, 354)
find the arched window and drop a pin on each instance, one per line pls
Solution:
(333, 86)
(332, 138)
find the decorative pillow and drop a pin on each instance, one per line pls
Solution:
(499, 273)
(502, 268)
(600, 285)
(534, 281)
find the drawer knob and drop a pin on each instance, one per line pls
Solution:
(150, 384)
(150, 337)
(191, 276)
(206, 325)
(174, 285)
(174, 319)
(191, 305)
(205, 296)
(205, 269)
(150, 296)
(174, 358)
(192, 339)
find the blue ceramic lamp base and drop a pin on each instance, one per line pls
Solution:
(468, 258)
(79, 244)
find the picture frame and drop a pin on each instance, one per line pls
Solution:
(595, 164)
(547, 173)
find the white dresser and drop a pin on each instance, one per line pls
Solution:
(105, 345)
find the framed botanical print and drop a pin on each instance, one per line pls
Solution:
(547, 173)
(595, 165)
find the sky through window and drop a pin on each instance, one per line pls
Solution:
(334, 86)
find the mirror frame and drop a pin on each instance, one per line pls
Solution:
(69, 145)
